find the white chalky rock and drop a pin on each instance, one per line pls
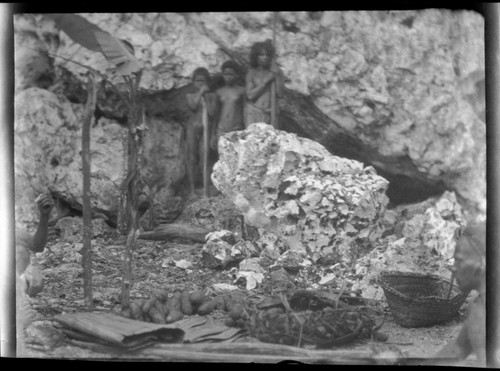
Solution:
(316, 202)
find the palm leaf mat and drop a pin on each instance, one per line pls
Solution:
(113, 331)
(193, 340)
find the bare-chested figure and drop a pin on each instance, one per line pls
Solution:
(194, 129)
(469, 269)
(261, 75)
(26, 243)
(230, 102)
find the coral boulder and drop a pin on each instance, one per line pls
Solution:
(325, 205)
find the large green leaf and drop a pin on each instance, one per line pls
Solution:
(94, 38)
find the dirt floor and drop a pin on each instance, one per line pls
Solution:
(155, 270)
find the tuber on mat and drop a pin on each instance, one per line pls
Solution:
(136, 310)
(175, 311)
(197, 297)
(174, 316)
(160, 307)
(156, 316)
(186, 306)
(125, 313)
(228, 302)
(148, 304)
(219, 303)
(236, 311)
(175, 302)
(162, 296)
(206, 308)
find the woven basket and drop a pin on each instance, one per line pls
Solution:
(420, 300)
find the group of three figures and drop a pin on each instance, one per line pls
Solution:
(231, 106)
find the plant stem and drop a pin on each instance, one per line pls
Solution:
(86, 205)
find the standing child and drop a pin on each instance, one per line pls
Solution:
(259, 79)
(194, 130)
(230, 102)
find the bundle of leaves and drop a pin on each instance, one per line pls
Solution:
(323, 328)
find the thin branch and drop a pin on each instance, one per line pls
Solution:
(93, 70)
(86, 204)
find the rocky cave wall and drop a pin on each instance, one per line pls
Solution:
(402, 91)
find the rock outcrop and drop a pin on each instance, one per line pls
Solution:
(316, 202)
(47, 157)
(417, 238)
(402, 91)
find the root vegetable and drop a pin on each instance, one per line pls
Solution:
(228, 302)
(125, 313)
(236, 311)
(219, 303)
(160, 307)
(186, 306)
(206, 308)
(380, 336)
(197, 297)
(136, 310)
(173, 316)
(174, 308)
(175, 302)
(148, 304)
(162, 296)
(156, 316)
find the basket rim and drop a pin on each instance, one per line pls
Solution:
(411, 274)
(461, 295)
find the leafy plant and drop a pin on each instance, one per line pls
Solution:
(121, 55)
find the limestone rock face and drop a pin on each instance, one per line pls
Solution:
(162, 160)
(47, 155)
(33, 67)
(47, 138)
(418, 238)
(408, 85)
(317, 203)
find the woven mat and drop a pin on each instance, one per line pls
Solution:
(112, 330)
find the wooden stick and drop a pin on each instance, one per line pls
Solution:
(451, 285)
(86, 194)
(274, 113)
(176, 230)
(274, 118)
(205, 147)
(254, 352)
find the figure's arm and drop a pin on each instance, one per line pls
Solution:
(215, 122)
(212, 104)
(280, 81)
(45, 205)
(194, 99)
(255, 91)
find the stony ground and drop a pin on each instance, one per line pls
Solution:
(155, 269)
(176, 265)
